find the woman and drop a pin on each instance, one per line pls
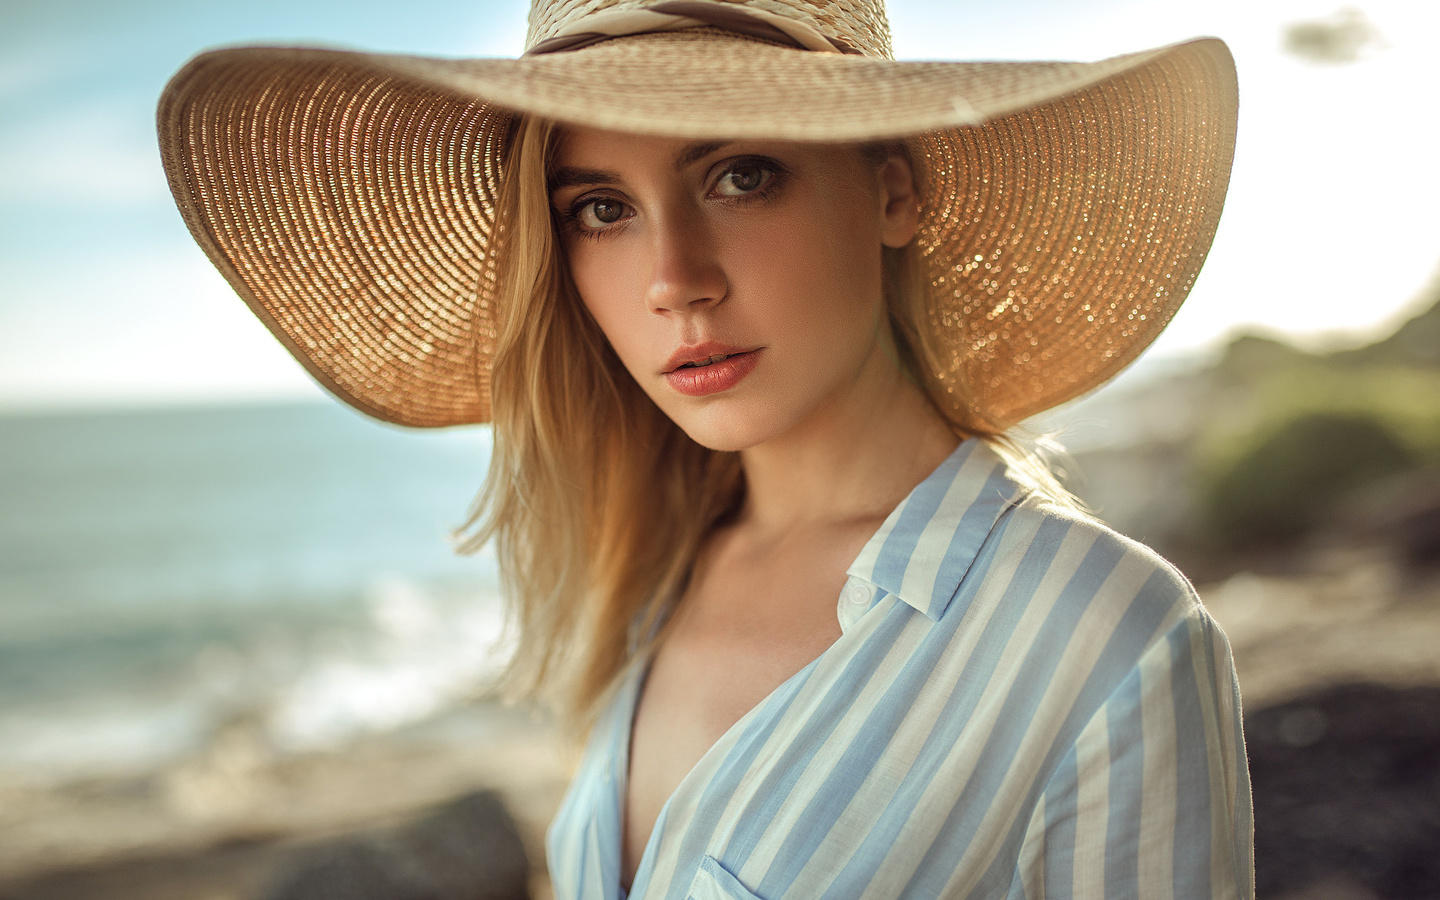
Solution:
(751, 307)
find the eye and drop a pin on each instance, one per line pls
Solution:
(743, 178)
(597, 214)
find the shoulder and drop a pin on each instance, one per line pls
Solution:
(1093, 623)
(1084, 560)
(1080, 591)
(978, 539)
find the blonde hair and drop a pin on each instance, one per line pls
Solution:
(596, 503)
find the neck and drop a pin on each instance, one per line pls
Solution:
(855, 459)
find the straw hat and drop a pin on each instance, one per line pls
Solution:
(349, 197)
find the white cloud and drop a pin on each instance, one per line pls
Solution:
(159, 324)
(26, 67)
(100, 152)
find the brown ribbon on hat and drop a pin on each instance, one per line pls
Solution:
(673, 15)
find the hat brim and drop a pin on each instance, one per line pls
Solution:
(349, 197)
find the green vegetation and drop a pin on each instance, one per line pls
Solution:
(1293, 432)
(1404, 400)
(1288, 481)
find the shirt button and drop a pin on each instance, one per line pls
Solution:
(858, 594)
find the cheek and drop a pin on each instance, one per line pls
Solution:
(609, 293)
(595, 277)
(830, 264)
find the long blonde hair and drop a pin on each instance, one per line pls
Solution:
(596, 503)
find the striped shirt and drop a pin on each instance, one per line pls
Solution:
(1022, 703)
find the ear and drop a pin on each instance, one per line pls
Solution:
(899, 200)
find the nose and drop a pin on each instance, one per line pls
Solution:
(686, 274)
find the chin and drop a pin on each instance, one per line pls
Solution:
(717, 437)
(721, 443)
(726, 430)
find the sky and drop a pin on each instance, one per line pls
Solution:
(1330, 233)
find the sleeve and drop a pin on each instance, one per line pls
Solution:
(1153, 798)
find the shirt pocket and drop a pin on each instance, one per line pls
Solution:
(714, 882)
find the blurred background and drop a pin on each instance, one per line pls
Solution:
(237, 650)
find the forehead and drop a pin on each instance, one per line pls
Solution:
(588, 148)
(582, 154)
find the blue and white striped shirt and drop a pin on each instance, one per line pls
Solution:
(1022, 704)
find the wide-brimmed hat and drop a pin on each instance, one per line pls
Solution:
(349, 197)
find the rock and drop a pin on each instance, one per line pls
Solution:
(468, 849)
(1346, 784)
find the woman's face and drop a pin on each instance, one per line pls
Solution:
(738, 281)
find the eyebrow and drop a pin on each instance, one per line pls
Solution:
(569, 176)
(573, 176)
(696, 152)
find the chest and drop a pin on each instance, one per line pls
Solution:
(739, 633)
(708, 674)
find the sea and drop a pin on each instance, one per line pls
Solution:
(165, 574)
(171, 575)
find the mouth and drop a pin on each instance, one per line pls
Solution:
(697, 373)
(704, 355)
(708, 361)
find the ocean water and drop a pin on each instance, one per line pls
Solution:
(167, 574)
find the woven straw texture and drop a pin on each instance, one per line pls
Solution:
(349, 198)
(860, 23)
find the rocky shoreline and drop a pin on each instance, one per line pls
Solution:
(230, 823)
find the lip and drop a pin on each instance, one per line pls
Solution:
(702, 381)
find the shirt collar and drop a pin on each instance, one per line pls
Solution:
(929, 541)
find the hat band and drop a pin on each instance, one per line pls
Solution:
(673, 15)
